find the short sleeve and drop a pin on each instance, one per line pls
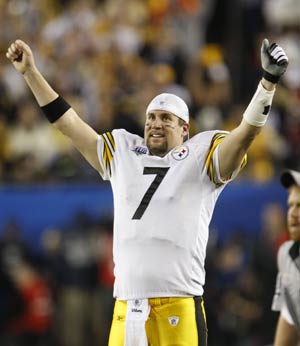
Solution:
(212, 161)
(106, 150)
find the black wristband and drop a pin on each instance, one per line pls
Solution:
(270, 77)
(55, 109)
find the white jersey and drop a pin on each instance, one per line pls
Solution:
(162, 210)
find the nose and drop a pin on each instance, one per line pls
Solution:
(293, 212)
(156, 123)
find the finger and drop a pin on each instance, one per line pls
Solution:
(281, 58)
(276, 51)
(265, 46)
(12, 53)
(23, 46)
(17, 51)
(273, 47)
(283, 62)
(9, 56)
(10, 50)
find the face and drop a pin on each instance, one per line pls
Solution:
(163, 132)
(293, 215)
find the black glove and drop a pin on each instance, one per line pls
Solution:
(274, 61)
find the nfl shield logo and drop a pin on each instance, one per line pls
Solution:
(173, 320)
(137, 302)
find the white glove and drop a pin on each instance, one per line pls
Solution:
(274, 61)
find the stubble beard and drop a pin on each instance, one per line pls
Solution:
(158, 150)
(295, 236)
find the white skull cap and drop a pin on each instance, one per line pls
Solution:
(170, 103)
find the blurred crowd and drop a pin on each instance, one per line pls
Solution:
(108, 58)
(62, 295)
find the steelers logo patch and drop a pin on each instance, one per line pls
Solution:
(180, 153)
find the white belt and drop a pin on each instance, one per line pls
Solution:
(136, 316)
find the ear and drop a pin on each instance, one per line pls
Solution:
(185, 129)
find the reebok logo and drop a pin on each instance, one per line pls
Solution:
(136, 310)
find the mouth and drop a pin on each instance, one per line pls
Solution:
(294, 227)
(156, 135)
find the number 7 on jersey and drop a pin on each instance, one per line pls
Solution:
(160, 174)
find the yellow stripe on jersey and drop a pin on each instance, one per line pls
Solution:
(108, 149)
(244, 161)
(216, 140)
(111, 140)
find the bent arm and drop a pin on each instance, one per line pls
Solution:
(83, 137)
(235, 145)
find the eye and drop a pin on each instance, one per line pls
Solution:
(166, 117)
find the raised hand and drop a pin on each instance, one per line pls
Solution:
(274, 61)
(20, 54)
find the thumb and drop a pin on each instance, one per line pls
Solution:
(23, 47)
(265, 46)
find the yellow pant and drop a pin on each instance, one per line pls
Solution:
(172, 322)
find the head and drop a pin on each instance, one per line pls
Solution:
(166, 126)
(291, 181)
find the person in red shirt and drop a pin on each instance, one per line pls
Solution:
(34, 324)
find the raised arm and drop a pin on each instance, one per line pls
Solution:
(233, 148)
(63, 117)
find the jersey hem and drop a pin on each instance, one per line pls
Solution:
(150, 295)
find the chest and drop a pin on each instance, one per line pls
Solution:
(290, 275)
(169, 175)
